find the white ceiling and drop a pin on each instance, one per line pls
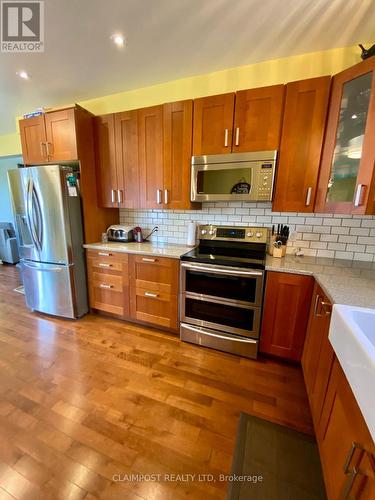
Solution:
(167, 39)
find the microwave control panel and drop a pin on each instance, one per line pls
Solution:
(265, 183)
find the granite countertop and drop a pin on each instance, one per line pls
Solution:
(162, 249)
(344, 281)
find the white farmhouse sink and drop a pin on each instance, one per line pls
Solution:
(352, 335)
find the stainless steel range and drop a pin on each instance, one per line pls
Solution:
(222, 289)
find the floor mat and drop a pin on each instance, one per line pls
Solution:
(20, 289)
(278, 463)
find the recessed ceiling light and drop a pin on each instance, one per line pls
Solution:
(23, 74)
(118, 39)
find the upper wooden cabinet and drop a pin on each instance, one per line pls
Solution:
(347, 181)
(178, 124)
(285, 314)
(49, 138)
(150, 153)
(126, 140)
(61, 135)
(256, 113)
(347, 450)
(257, 119)
(33, 140)
(304, 122)
(143, 157)
(106, 160)
(213, 124)
(116, 145)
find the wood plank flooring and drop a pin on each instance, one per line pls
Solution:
(84, 401)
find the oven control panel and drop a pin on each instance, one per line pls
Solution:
(233, 233)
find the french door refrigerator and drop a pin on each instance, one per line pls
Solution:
(47, 210)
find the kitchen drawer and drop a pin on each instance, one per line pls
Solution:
(106, 264)
(107, 256)
(108, 293)
(107, 281)
(157, 274)
(159, 309)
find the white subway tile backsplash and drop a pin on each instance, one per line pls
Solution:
(360, 231)
(322, 235)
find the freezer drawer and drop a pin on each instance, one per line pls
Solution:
(49, 288)
(233, 344)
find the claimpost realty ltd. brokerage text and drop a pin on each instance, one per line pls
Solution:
(185, 478)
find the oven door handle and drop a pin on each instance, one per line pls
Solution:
(205, 332)
(217, 270)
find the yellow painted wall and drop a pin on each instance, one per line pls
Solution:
(260, 74)
(10, 144)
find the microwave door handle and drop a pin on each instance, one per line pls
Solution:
(216, 270)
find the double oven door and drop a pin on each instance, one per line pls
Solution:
(223, 298)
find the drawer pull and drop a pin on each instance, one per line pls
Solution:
(153, 295)
(146, 259)
(103, 285)
(101, 264)
(104, 254)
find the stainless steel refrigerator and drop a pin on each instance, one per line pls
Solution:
(47, 211)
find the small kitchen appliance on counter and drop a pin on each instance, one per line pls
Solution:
(120, 233)
(222, 289)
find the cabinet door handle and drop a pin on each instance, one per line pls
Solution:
(226, 135)
(308, 196)
(146, 259)
(358, 195)
(326, 306)
(153, 295)
(166, 200)
(158, 196)
(349, 484)
(103, 285)
(47, 147)
(113, 199)
(317, 298)
(104, 254)
(119, 195)
(237, 143)
(101, 264)
(43, 153)
(349, 456)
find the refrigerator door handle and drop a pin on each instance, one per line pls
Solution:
(39, 217)
(55, 269)
(29, 214)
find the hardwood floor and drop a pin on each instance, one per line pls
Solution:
(82, 401)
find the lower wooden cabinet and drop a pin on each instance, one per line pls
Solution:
(285, 314)
(154, 290)
(318, 353)
(347, 450)
(108, 278)
(136, 287)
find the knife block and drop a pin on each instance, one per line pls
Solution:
(276, 252)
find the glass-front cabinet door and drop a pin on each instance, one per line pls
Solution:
(347, 168)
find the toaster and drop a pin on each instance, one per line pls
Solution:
(120, 233)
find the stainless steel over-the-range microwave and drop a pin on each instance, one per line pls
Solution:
(233, 177)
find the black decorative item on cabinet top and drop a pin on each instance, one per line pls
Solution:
(366, 53)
